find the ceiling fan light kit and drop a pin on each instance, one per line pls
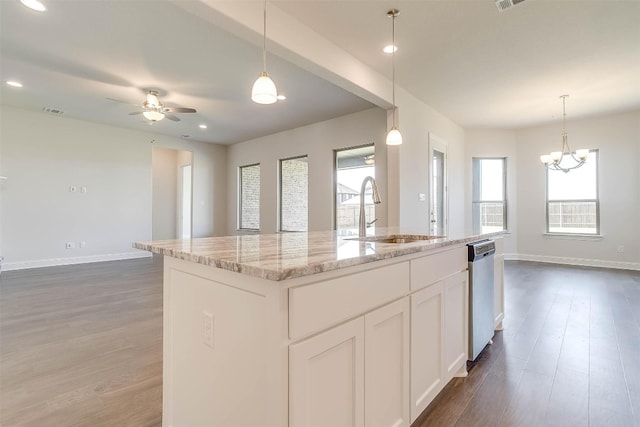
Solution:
(154, 116)
(264, 89)
(394, 137)
(554, 160)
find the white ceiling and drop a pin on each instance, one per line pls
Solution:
(484, 68)
(480, 67)
(79, 53)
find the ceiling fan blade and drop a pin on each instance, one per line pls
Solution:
(135, 112)
(123, 102)
(179, 110)
(172, 117)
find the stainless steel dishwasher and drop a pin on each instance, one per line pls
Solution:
(480, 295)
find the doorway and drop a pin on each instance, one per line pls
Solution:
(438, 211)
(172, 194)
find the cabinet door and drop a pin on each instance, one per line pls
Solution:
(427, 324)
(387, 366)
(498, 291)
(326, 378)
(456, 309)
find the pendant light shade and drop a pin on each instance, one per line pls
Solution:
(394, 137)
(264, 89)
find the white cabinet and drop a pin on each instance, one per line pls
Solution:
(386, 356)
(438, 338)
(326, 378)
(356, 374)
(456, 309)
(427, 326)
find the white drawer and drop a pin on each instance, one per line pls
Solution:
(434, 267)
(320, 305)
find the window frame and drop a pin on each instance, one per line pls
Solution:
(240, 193)
(474, 201)
(596, 200)
(335, 175)
(279, 198)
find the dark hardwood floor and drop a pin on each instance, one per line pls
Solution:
(82, 346)
(569, 354)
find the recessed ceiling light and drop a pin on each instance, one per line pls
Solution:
(14, 83)
(390, 48)
(203, 126)
(281, 97)
(34, 4)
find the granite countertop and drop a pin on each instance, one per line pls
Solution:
(287, 255)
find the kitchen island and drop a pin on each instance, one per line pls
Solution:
(301, 329)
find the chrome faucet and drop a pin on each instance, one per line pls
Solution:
(362, 223)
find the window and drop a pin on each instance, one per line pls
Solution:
(294, 194)
(353, 165)
(249, 197)
(489, 205)
(572, 198)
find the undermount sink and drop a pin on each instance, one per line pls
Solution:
(397, 238)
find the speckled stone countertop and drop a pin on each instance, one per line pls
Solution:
(287, 255)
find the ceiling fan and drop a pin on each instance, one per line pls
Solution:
(154, 110)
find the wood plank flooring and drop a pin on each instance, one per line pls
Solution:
(82, 346)
(569, 354)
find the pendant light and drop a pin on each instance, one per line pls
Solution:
(394, 137)
(264, 90)
(553, 160)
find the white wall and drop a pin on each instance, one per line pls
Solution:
(494, 143)
(318, 142)
(618, 139)
(43, 155)
(165, 164)
(409, 165)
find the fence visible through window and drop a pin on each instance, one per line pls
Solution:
(574, 216)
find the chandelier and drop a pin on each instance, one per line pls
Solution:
(554, 160)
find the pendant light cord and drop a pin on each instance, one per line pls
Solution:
(264, 37)
(393, 65)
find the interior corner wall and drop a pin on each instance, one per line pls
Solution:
(317, 141)
(494, 143)
(44, 156)
(617, 137)
(416, 122)
(164, 194)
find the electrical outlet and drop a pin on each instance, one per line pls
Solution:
(208, 324)
(620, 249)
(83, 189)
(70, 245)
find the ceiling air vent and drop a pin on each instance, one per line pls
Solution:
(52, 110)
(503, 5)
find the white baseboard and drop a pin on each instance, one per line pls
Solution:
(574, 261)
(52, 262)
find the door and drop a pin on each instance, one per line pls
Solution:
(427, 324)
(456, 303)
(386, 352)
(438, 186)
(326, 378)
